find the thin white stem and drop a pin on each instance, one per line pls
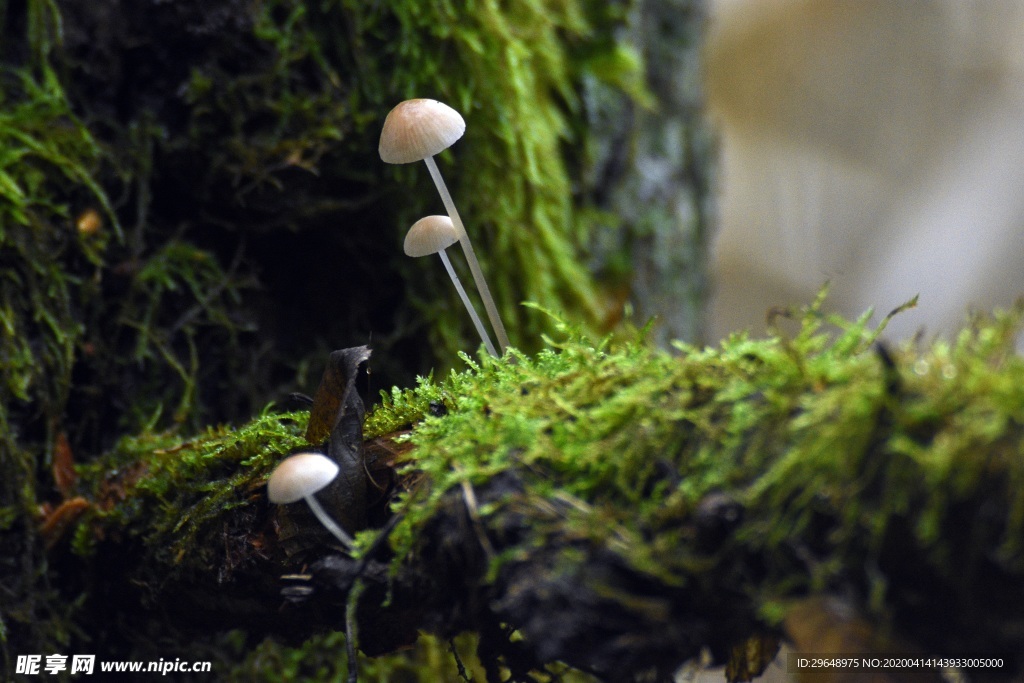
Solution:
(481, 330)
(329, 523)
(467, 247)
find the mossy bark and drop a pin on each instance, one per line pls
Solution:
(192, 212)
(611, 506)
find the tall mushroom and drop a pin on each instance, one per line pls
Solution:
(299, 477)
(416, 130)
(432, 235)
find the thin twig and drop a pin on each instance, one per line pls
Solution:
(469, 495)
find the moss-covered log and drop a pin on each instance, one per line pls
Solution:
(610, 506)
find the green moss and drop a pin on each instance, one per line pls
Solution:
(225, 155)
(40, 174)
(276, 128)
(857, 466)
(509, 70)
(808, 432)
(172, 492)
(46, 162)
(251, 142)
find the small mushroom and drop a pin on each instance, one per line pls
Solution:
(432, 235)
(416, 130)
(299, 477)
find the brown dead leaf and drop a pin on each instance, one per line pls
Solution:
(64, 475)
(56, 524)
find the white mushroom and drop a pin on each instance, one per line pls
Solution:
(299, 477)
(432, 235)
(417, 130)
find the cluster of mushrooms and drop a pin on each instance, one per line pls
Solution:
(415, 130)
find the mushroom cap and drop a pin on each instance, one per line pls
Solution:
(417, 129)
(430, 235)
(299, 476)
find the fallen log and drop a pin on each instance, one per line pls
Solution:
(609, 506)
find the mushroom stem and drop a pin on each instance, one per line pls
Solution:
(329, 523)
(467, 247)
(481, 330)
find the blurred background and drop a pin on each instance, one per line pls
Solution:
(875, 145)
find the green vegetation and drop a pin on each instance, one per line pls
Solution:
(871, 472)
(797, 429)
(191, 215)
(38, 298)
(192, 212)
(173, 492)
(268, 127)
(188, 163)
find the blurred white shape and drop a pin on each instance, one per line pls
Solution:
(876, 144)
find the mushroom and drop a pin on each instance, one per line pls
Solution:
(299, 477)
(432, 235)
(416, 130)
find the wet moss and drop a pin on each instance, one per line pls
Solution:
(866, 469)
(171, 493)
(728, 481)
